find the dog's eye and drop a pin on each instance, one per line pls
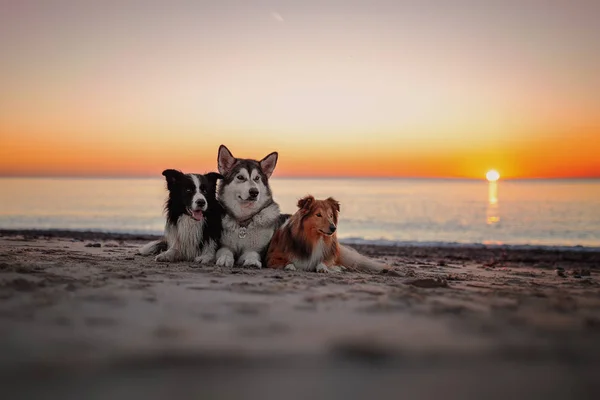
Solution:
(188, 190)
(256, 178)
(203, 188)
(240, 177)
(319, 215)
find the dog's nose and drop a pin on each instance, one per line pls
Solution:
(253, 193)
(201, 202)
(332, 228)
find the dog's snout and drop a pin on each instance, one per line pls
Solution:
(200, 202)
(253, 193)
(332, 228)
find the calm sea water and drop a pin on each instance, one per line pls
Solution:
(548, 213)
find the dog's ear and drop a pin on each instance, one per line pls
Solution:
(213, 177)
(172, 176)
(268, 164)
(225, 160)
(333, 203)
(335, 206)
(305, 203)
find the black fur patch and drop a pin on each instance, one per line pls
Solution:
(249, 165)
(282, 219)
(300, 248)
(180, 199)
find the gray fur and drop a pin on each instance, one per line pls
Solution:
(259, 217)
(248, 249)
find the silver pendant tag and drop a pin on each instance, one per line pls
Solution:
(242, 232)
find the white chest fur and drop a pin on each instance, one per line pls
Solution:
(257, 233)
(316, 257)
(186, 236)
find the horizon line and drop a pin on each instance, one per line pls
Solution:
(308, 177)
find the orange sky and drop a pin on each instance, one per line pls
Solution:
(337, 88)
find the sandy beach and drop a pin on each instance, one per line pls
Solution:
(83, 316)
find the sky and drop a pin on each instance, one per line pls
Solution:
(339, 88)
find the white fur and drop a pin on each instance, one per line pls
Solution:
(250, 259)
(316, 258)
(322, 268)
(352, 259)
(315, 262)
(207, 255)
(258, 235)
(237, 192)
(198, 195)
(184, 240)
(328, 269)
(225, 257)
(150, 248)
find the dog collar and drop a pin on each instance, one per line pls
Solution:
(243, 224)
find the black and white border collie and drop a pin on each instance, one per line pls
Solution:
(193, 226)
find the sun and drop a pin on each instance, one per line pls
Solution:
(492, 175)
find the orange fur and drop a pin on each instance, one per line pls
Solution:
(297, 240)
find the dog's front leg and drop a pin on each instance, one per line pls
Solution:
(170, 255)
(250, 259)
(225, 257)
(323, 268)
(331, 266)
(152, 247)
(207, 256)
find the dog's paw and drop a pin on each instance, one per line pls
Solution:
(226, 260)
(163, 257)
(322, 268)
(204, 259)
(290, 267)
(336, 268)
(252, 263)
(250, 259)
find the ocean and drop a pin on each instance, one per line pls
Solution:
(554, 213)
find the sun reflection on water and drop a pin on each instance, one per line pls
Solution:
(492, 215)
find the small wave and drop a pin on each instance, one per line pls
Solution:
(356, 240)
(399, 243)
(123, 231)
(93, 230)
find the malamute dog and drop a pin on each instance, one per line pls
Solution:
(308, 241)
(251, 216)
(193, 226)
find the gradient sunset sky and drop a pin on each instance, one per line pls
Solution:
(339, 88)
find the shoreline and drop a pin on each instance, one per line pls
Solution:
(353, 241)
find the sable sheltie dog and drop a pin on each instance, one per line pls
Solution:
(308, 241)
(193, 225)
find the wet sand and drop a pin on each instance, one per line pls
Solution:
(83, 316)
